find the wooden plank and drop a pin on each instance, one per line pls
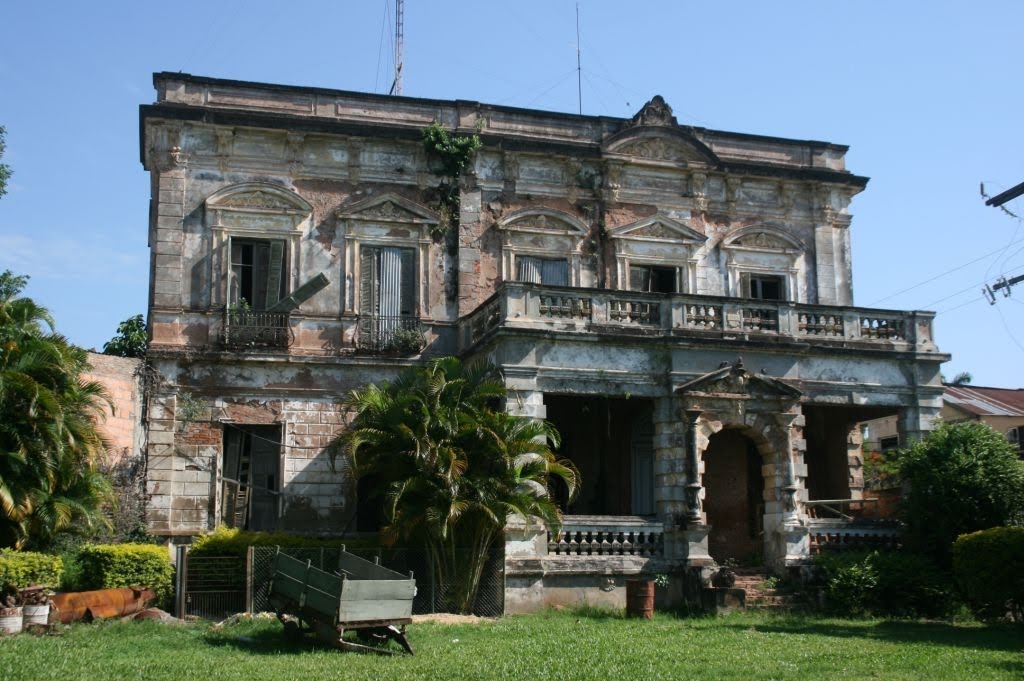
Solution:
(374, 610)
(364, 589)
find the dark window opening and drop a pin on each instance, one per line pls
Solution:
(887, 443)
(550, 272)
(257, 269)
(249, 476)
(652, 279)
(764, 287)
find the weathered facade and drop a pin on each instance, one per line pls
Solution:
(615, 269)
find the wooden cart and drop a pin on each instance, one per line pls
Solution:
(362, 596)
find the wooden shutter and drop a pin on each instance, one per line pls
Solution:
(409, 283)
(368, 303)
(275, 274)
(639, 279)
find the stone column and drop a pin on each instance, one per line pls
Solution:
(693, 485)
(915, 421)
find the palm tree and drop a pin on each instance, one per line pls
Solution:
(450, 467)
(49, 443)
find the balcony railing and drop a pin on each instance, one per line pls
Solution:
(607, 536)
(534, 306)
(393, 335)
(248, 329)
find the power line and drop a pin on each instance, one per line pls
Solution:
(939, 276)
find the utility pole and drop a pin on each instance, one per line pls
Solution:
(396, 85)
(990, 291)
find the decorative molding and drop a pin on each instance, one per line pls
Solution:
(259, 197)
(659, 228)
(655, 112)
(388, 208)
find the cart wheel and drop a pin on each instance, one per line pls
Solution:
(292, 631)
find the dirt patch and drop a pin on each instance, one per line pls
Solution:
(449, 618)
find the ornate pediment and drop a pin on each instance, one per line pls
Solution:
(388, 208)
(656, 112)
(761, 239)
(544, 221)
(661, 149)
(735, 382)
(658, 228)
(258, 197)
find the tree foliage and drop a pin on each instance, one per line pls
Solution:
(132, 339)
(449, 467)
(963, 477)
(5, 170)
(49, 443)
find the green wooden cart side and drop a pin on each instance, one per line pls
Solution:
(360, 595)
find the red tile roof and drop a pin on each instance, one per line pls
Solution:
(982, 401)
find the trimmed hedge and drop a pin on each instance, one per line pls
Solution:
(113, 566)
(893, 584)
(226, 541)
(19, 569)
(987, 566)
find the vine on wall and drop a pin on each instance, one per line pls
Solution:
(453, 154)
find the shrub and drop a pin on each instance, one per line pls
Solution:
(987, 566)
(226, 541)
(962, 477)
(112, 566)
(887, 584)
(19, 569)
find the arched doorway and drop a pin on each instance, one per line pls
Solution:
(733, 497)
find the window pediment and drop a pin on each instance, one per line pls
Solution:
(258, 197)
(660, 145)
(388, 208)
(760, 238)
(542, 221)
(658, 228)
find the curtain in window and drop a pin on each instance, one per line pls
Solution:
(542, 271)
(390, 289)
(554, 272)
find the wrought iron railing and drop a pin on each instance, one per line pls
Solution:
(394, 335)
(248, 329)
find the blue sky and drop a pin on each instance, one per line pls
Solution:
(928, 96)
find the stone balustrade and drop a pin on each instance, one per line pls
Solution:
(534, 306)
(607, 536)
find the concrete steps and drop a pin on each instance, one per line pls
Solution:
(760, 594)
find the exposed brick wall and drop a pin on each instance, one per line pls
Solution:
(122, 426)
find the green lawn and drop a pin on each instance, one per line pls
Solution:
(548, 646)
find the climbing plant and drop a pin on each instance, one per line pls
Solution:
(453, 154)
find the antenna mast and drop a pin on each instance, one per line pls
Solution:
(396, 86)
(579, 71)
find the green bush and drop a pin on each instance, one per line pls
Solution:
(962, 477)
(226, 541)
(898, 584)
(987, 566)
(19, 569)
(112, 566)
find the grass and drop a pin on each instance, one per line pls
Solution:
(554, 645)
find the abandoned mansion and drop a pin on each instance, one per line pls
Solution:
(677, 301)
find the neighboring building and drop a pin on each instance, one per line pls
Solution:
(122, 426)
(614, 269)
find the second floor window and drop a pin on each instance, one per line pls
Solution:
(387, 282)
(651, 279)
(547, 271)
(764, 287)
(257, 269)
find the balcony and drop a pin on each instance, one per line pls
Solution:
(574, 310)
(398, 335)
(244, 329)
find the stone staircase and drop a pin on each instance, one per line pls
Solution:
(760, 595)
